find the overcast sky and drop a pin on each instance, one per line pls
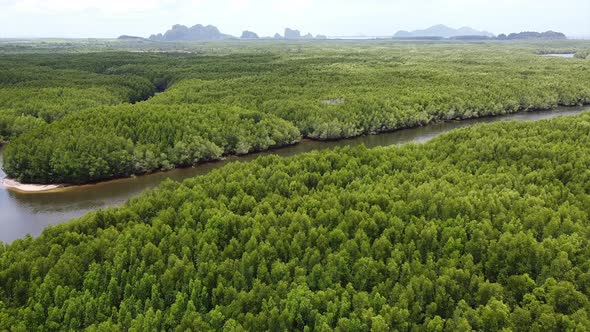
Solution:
(111, 18)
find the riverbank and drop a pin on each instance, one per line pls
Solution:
(29, 213)
(29, 188)
(14, 185)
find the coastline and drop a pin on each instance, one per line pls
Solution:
(16, 186)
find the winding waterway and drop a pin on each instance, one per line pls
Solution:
(22, 214)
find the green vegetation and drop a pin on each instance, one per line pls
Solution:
(135, 139)
(32, 93)
(484, 228)
(327, 90)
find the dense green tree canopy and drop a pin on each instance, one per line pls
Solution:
(120, 141)
(327, 90)
(33, 92)
(483, 228)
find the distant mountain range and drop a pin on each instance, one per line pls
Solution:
(249, 35)
(210, 32)
(197, 32)
(442, 31)
(532, 35)
(438, 32)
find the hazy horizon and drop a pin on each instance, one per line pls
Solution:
(111, 18)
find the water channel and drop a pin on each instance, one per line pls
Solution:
(29, 213)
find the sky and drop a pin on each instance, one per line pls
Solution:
(111, 18)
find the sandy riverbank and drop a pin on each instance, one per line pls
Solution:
(14, 185)
(28, 188)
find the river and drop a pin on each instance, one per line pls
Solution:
(22, 214)
(560, 55)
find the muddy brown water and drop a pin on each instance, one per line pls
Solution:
(22, 214)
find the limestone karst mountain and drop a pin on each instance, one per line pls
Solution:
(443, 31)
(184, 33)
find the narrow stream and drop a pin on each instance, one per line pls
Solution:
(22, 214)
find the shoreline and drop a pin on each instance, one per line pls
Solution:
(32, 188)
(14, 185)
(25, 188)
